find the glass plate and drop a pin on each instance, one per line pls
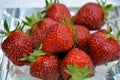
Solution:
(8, 71)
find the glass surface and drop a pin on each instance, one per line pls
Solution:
(10, 72)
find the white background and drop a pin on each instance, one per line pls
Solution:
(41, 3)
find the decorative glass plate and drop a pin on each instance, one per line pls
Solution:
(8, 71)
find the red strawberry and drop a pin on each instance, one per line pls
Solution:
(76, 65)
(92, 15)
(83, 36)
(38, 32)
(58, 39)
(46, 67)
(103, 49)
(16, 45)
(58, 12)
(39, 27)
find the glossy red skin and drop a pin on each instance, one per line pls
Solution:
(75, 56)
(58, 12)
(90, 15)
(16, 45)
(46, 67)
(83, 36)
(38, 32)
(58, 39)
(102, 49)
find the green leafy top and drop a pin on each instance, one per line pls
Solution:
(78, 73)
(7, 30)
(118, 36)
(48, 4)
(115, 36)
(30, 21)
(33, 56)
(106, 8)
(71, 25)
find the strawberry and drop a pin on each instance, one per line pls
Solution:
(16, 45)
(46, 67)
(77, 65)
(93, 15)
(39, 27)
(43, 65)
(39, 30)
(103, 49)
(83, 36)
(58, 39)
(57, 12)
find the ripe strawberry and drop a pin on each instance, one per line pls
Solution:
(39, 27)
(46, 67)
(76, 65)
(92, 15)
(83, 36)
(57, 12)
(39, 30)
(103, 49)
(58, 39)
(16, 45)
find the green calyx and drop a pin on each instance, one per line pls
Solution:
(30, 21)
(78, 73)
(71, 25)
(113, 35)
(7, 30)
(106, 8)
(118, 36)
(48, 4)
(33, 56)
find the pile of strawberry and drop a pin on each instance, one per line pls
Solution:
(60, 47)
